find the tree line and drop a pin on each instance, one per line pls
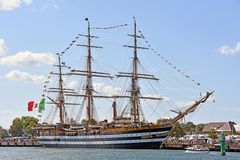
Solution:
(181, 129)
(20, 126)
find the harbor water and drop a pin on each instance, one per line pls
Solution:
(32, 153)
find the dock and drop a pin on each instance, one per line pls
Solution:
(19, 142)
(181, 145)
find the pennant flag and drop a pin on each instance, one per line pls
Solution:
(41, 105)
(30, 105)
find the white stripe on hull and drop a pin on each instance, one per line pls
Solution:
(101, 142)
(104, 136)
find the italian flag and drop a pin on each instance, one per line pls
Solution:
(32, 105)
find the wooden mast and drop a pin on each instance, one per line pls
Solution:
(61, 95)
(135, 89)
(61, 91)
(89, 73)
(89, 86)
(59, 102)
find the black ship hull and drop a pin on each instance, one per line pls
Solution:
(149, 145)
(140, 139)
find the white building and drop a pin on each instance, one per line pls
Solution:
(237, 127)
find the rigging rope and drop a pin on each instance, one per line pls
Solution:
(112, 27)
(70, 45)
(168, 62)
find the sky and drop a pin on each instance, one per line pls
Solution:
(201, 38)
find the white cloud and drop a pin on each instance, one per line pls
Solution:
(100, 88)
(24, 76)
(3, 47)
(27, 58)
(9, 5)
(226, 50)
(107, 89)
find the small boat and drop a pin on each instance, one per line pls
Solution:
(197, 149)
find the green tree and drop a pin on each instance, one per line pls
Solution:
(16, 128)
(3, 132)
(213, 134)
(199, 128)
(22, 125)
(27, 123)
(189, 127)
(178, 130)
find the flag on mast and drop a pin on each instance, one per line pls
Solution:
(41, 105)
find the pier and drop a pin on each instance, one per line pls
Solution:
(181, 145)
(19, 142)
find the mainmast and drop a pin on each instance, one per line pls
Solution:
(89, 73)
(135, 89)
(89, 87)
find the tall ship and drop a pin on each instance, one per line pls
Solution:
(130, 131)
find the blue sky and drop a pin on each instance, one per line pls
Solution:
(202, 38)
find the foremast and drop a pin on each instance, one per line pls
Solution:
(59, 102)
(61, 95)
